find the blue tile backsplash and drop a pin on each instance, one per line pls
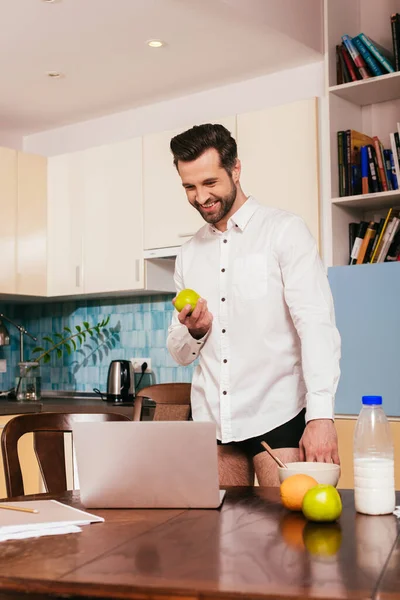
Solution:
(138, 327)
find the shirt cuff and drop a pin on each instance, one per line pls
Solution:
(319, 407)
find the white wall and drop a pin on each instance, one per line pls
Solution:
(278, 88)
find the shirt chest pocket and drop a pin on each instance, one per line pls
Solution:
(250, 276)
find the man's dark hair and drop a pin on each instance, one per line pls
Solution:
(191, 144)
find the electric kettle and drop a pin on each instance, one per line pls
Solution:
(120, 381)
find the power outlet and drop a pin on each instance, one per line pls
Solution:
(137, 364)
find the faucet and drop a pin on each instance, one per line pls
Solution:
(5, 336)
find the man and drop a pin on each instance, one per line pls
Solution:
(263, 330)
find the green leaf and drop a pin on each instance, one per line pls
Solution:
(97, 329)
(67, 329)
(101, 324)
(107, 321)
(80, 338)
(59, 336)
(78, 328)
(68, 348)
(59, 352)
(84, 335)
(73, 342)
(46, 358)
(90, 332)
(86, 324)
(38, 349)
(47, 338)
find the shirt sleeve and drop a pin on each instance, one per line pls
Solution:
(183, 348)
(309, 299)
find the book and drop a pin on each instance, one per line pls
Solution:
(376, 238)
(394, 250)
(364, 170)
(382, 55)
(387, 163)
(369, 234)
(380, 238)
(356, 57)
(382, 171)
(387, 239)
(345, 69)
(395, 24)
(362, 228)
(355, 140)
(395, 181)
(395, 157)
(353, 227)
(341, 164)
(350, 65)
(373, 169)
(372, 63)
(339, 67)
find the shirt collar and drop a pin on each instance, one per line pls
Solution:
(240, 218)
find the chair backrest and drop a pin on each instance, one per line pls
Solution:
(172, 401)
(48, 430)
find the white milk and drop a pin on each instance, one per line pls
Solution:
(374, 491)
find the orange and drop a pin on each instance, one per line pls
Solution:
(292, 529)
(294, 488)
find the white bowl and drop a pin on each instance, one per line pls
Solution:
(327, 473)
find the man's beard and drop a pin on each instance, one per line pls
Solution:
(223, 206)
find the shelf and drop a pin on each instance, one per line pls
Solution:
(370, 91)
(370, 201)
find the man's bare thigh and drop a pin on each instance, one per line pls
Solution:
(234, 466)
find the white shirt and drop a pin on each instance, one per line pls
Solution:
(273, 347)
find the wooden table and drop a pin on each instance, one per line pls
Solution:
(251, 548)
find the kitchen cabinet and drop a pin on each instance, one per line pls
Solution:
(8, 220)
(278, 148)
(96, 220)
(169, 219)
(31, 224)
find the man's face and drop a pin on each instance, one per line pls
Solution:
(209, 188)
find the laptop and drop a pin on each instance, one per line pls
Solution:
(147, 464)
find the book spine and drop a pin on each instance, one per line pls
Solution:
(376, 238)
(349, 64)
(356, 57)
(369, 59)
(347, 162)
(388, 168)
(364, 170)
(379, 242)
(362, 228)
(353, 228)
(340, 136)
(395, 183)
(370, 245)
(345, 70)
(387, 239)
(382, 172)
(395, 39)
(367, 237)
(395, 159)
(384, 62)
(372, 170)
(339, 70)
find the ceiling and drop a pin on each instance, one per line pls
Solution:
(100, 47)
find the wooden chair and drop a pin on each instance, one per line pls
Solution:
(48, 430)
(172, 401)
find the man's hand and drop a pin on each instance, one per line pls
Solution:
(199, 321)
(319, 442)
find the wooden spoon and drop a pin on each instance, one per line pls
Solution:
(276, 459)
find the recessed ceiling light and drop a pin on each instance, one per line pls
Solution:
(51, 1)
(155, 43)
(54, 74)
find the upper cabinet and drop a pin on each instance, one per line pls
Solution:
(23, 223)
(169, 219)
(96, 220)
(32, 225)
(278, 148)
(8, 221)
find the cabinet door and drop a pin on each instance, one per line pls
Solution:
(278, 148)
(113, 221)
(8, 220)
(65, 218)
(32, 225)
(169, 219)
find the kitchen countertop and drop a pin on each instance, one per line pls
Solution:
(68, 403)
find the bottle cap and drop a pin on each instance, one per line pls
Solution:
(370, 400)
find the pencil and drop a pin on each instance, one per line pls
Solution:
(19, 508)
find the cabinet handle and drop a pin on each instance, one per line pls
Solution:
(137, 269)
(78, 276)
(185, 234)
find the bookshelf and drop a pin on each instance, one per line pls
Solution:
(370, 106)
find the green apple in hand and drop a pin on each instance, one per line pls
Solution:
(186, 296)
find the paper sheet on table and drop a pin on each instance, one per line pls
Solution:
(51, 516)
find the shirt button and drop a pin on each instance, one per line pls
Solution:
(236, 225)
(225, 361)
(222, 299)
(194, 353)
(225, 241)
(199, 342)
(223, 331)
(224, 393)
(222, 270)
